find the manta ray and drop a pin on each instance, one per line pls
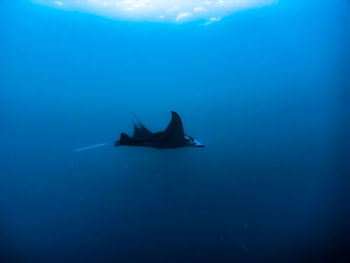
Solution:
(172, 137)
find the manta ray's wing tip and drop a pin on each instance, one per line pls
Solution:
(174, 113)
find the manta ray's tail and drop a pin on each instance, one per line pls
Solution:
(91, 147)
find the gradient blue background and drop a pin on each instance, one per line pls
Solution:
(266, 90)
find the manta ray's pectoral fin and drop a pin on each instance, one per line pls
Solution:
(174, 135)
(140, 130)
(124, 140)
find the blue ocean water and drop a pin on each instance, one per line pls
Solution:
(265, 89)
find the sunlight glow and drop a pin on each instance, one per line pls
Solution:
(171, 11)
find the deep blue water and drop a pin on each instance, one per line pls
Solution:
(264, 89)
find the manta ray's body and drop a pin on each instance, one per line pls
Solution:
(172, 137)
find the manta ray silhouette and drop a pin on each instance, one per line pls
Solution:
(172, 137)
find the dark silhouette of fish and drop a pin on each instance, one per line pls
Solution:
(172, 137)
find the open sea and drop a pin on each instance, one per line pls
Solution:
(265, 89)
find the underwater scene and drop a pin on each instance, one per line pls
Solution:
(174, 131)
